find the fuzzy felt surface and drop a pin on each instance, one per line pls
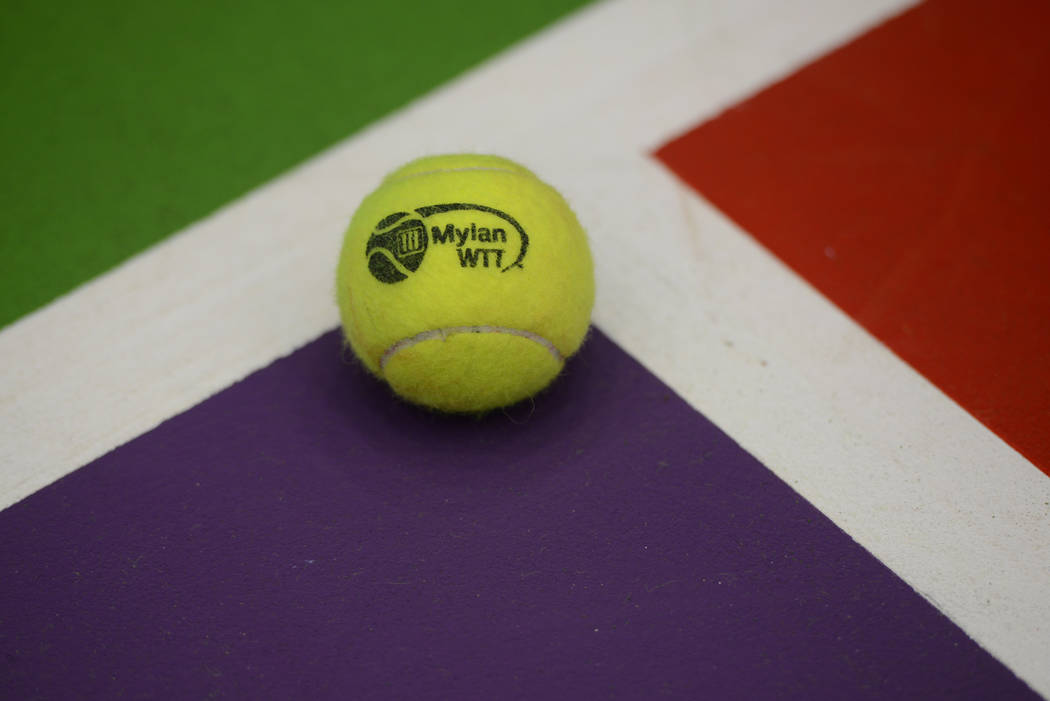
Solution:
(471, 371)
(465, 241)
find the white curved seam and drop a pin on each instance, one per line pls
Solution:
(453, 330)
(437, 171)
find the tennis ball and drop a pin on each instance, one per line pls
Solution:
(465, 282)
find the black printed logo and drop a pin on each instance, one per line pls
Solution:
(481, 239)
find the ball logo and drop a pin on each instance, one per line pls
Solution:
(477, 237)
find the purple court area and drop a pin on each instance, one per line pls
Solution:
(304, 535)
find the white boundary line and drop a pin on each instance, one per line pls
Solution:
(901, 468)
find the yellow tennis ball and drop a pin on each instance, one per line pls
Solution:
(465, 282)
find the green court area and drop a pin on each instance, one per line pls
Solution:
(125, 121)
